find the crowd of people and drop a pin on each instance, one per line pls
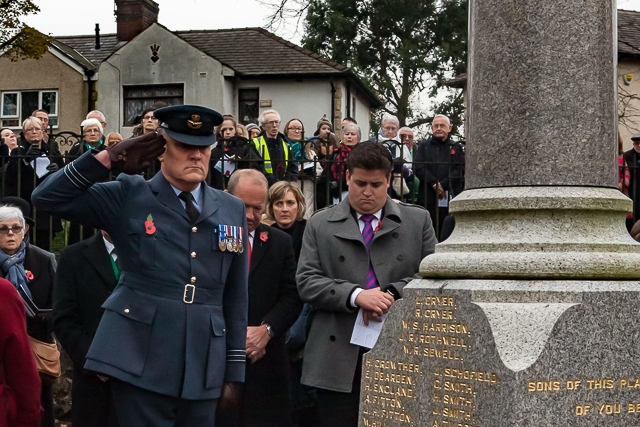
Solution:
(271, 296)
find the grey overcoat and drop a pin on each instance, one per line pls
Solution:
(334, 262)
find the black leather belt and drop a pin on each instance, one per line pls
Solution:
(189, 293)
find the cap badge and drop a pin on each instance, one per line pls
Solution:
(195, 122)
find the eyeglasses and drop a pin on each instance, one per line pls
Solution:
(149, 118)
(91, 131)
(439, 126)
(16, 229)
(389, 128)
(273, 123)
(33, 130)
(296, 129)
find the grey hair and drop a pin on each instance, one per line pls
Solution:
(9, 212)
(92, 122)
(405, 129)
(102, 117)
(264, 113)
(31, 120)
(352, 126)
(255, 176)
(390, 118)
(442, 115)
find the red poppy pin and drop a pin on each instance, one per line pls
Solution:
(264, 236)
(280, 168)
(453, 152)
(29, 274)
(378, 227)
(149, 227)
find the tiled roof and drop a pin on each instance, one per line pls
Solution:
(86, 46)
(254, 51)
(628, 32)
(249, 52)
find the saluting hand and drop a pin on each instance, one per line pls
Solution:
(133, 155)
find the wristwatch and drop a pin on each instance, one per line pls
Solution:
(269, 329)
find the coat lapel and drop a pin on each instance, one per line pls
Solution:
(166, 195)
(209, 204)
(349, 229)
(96, 254)
(259, 247)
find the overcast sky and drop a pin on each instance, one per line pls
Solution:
(76, 17)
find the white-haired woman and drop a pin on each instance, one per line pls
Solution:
(30, 162)
(92, 133)
(28, 267)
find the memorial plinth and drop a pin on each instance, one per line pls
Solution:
(528, 314)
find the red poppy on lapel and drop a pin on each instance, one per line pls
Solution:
(264, 236)
(29, 275)
(149, 227)
(453, 152)
(378, 227)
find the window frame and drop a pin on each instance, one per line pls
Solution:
(126, 97)
(4, 117)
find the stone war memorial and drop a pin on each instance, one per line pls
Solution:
(529, 314)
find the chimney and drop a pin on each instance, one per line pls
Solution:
(97, 36)
(135, 16)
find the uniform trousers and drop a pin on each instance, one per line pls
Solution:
(136, 407)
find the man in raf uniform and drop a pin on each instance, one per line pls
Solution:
(172, 337)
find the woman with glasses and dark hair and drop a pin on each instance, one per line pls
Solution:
(29, 164)
(32, 270)
(148, 122)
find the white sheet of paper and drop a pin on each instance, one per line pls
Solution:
(225, 166)
(443, 203)
(366, 336)
(40, 165)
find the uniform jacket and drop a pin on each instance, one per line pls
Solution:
(334, 262)
(157, 333)
(273, 299)
(17, 366)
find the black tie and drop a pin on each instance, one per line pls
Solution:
(191, 208)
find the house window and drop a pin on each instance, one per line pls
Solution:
(139, 98)
(248, 103)
(17, 106)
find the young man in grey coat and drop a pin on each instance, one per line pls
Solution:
(357, 255)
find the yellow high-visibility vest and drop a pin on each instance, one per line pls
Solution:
(261, 146)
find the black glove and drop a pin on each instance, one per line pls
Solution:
(53, 167)
(34, 151)
(134, 155)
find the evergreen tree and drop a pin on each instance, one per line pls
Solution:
(399, 47)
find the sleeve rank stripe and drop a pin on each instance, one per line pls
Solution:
(81, 177)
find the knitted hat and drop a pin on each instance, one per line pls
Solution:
(324, 121)
(252, 126)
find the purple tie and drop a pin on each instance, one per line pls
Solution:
(367, 237)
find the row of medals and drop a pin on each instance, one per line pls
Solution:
(230, 243)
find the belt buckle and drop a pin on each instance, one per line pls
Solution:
(186, 292)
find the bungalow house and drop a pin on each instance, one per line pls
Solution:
(235, 71)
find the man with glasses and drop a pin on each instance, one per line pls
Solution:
(272, 145)
(440, 168)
